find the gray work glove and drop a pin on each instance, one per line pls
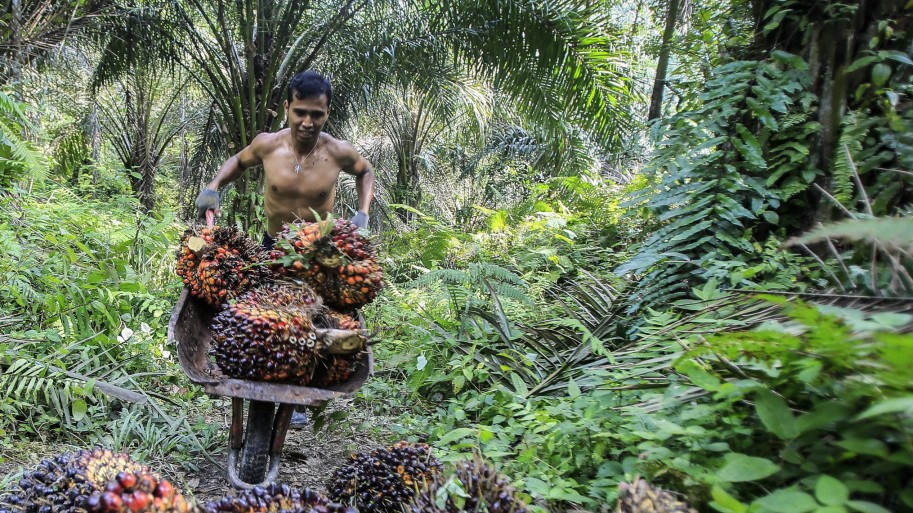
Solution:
(207, 200)
(360, 220)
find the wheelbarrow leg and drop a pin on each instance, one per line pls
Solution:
(236, 434)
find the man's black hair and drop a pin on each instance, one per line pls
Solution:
(309, 84)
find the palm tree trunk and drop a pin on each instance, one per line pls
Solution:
(183, 171)
(95, 128)
(662, 67)
(16, 70)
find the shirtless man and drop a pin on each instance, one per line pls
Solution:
(301, 163)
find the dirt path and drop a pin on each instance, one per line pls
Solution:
(308, 459)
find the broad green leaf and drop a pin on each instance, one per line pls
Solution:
(881, 73)
(868, 446)
(895, 405)
(726, 503)
(519, 385)
(573, 391)
(762, 112)
(788, 500)
(831, 491)
(866, 507)
(741, 467)
(537, 486)
(79, 409)
(823, 415)
(896, 55)
(457, 434)
(775, 414)
(748, 146)
(861, 63)
(698, 375)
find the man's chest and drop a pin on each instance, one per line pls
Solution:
(313, 182)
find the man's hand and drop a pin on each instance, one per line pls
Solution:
(360, 220)
(207, 200)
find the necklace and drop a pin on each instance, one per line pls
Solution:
(298, 163)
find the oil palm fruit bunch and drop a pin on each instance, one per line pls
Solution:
(484, 491)
(138, 492)
(302, 251)
(276, 498)
(332, 319)
(641, 497)
(63, 483)
(353, 284)
(267, 335)
(333, 258)
(380, 481)
(335, 369)
(220, 263)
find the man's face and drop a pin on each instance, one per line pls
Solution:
(306, 117)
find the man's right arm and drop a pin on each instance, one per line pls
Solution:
(234, 167)
(231, 170)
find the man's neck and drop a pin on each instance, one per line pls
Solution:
(303, 148)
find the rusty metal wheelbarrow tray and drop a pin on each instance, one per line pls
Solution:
(189, 330)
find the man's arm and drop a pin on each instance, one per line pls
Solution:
(231, 170)
(234, 167)
(359, 167)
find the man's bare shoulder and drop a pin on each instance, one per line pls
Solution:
(267, 142)
(341, 151)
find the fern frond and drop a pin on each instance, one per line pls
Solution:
(852, 133)
(450, 276)
(17, 155)
(479, 270)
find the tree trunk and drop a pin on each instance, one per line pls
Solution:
(95, 128)
(662, 67)
(183, 171)
(16, 67)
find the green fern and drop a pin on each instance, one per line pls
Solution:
(18, 157)
(852, 133)
(32, 382)
(720, 171)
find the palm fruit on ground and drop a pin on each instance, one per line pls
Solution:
(484, 491)
(221, 263)
(333, 257)
(380, 481)
(641, 497)
(335, 369)
(267, 335)
(138, 492)
(275, 498)
(63, 483)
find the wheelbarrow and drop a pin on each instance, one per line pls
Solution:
(254, 452)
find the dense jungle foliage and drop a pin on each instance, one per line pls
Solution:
(663, 239)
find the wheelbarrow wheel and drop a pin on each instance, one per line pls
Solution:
(257, 441)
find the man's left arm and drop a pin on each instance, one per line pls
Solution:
(359, 167)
